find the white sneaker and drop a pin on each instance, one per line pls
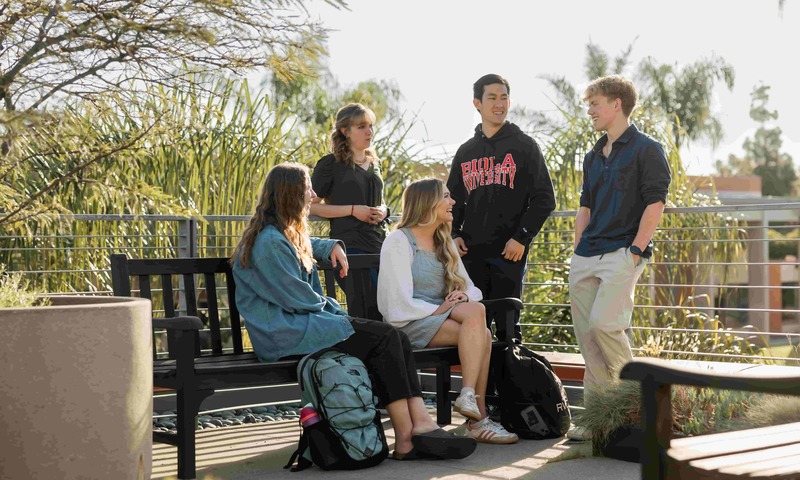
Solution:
(579, 434)
(467, 405)
(487, 431)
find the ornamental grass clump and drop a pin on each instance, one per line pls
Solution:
(609, 408)
(696, 411)
(773, 410)
(16, 292)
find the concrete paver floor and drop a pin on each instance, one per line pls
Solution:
(260, 451)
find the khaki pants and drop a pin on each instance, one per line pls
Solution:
(601, 299)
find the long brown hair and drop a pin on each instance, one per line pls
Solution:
(282, 203)
(419, 205)
(347, 116)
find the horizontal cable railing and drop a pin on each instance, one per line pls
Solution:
(711, 292)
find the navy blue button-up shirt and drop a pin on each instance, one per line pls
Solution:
(617, 190)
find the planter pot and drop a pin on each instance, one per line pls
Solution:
(623, 444)
(76, 384)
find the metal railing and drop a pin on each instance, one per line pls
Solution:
(711, 292)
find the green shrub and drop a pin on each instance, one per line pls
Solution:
(695, 411)
(774, 410)
(15, 292)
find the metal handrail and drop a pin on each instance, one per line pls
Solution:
(189, 237)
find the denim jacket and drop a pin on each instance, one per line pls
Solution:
(283, 306)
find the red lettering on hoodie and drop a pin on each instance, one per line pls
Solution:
(484, 171)
(509, 168)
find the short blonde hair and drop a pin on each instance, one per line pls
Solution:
(613, 87)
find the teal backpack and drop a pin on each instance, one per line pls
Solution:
(349, 434)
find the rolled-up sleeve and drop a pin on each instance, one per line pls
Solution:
(321, 247)
(655, 175)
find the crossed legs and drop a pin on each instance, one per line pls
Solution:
(466, 328)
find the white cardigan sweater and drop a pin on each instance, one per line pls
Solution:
(396, 300)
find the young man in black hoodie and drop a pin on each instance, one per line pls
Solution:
(503, 195)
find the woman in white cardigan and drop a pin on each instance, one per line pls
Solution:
(424, 290)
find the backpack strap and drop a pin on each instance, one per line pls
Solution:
(302, 461)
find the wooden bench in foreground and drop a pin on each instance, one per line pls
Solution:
(760, 453)
(197, 360)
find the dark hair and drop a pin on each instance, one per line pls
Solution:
(489, 79)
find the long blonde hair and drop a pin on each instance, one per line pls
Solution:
(347, 116)
(282, 203)
(419, 205)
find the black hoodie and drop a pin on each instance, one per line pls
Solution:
(502, 190)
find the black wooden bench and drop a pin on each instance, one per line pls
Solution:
(759, 453)
(196, 365)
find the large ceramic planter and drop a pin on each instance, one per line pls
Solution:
(76, 384)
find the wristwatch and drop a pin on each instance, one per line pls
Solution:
(638, 251)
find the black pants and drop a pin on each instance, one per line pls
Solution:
(387, 354)
(497, 277)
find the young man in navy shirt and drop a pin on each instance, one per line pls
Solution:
(625, 182)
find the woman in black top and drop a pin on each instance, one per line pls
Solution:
(349, 185)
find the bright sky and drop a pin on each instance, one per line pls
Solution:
(435, 49)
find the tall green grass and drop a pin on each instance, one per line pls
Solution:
(205, 151)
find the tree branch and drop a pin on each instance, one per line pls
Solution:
(74, 172)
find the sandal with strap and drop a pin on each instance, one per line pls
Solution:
(412, 454)
(440, 443)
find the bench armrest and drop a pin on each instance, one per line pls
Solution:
(661, 372)
(178, 323)
(504, 304)
(182, 340)
(507, 307)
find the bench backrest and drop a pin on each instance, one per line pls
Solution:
(205, 288)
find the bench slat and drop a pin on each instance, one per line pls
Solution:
(704, 446)
(176, 266)
(213, 313)
(169, 312)
(190, 294)
(144, 287)
(236, 322)
(169, 300)
(756, 464)
(330, 283)
(791, 469)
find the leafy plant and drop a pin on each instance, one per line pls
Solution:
(15, 292)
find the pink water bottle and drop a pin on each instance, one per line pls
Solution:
(308, 416)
